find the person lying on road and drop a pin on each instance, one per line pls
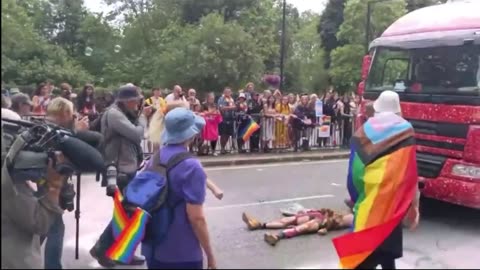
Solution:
(304, 222)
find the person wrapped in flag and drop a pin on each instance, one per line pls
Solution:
(382, 183)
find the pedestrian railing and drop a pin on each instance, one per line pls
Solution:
(278, 134)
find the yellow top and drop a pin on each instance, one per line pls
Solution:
(283, 109)
(158, 104)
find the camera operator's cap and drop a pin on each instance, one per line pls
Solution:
(388, 101)
(21, 99)
(181, 124)
(14, 91)
(128, 92)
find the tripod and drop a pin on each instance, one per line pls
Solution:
(77, 218)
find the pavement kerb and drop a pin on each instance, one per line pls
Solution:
(245, 160)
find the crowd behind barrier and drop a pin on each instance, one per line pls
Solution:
(275, 117)
(317, 136)
(320, 136)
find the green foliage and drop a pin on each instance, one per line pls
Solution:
(205, 44)
(416, 4)
(330, 21)
(346, 65)
(347, 60)
(307, 57)
(27, 57)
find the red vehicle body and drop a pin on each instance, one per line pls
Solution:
(431, 57)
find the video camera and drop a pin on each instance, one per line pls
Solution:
(30, 146)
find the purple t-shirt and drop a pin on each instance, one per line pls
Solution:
(188, 183)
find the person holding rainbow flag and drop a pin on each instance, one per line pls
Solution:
(382, 183)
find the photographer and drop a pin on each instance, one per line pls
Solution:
(25, 216)
(122, 126)
(60, 112)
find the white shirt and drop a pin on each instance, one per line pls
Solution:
(171, 97)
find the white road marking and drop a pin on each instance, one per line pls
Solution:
(336, 185)
(269, 202)
(280, 164)
(259, 170)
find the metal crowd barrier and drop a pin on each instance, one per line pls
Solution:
(277, 135)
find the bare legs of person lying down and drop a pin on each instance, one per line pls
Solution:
(313, 221)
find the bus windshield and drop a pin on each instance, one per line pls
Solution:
(440, 70)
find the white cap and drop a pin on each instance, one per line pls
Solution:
(241, 95)
(388, 101)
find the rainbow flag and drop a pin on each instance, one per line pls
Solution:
(249, 130)
(382, 181)
(120, 217)
(126, 243)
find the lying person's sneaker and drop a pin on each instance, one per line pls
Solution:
(252, 223)
(101, 259)
(271, 239)
(322, 231)
(136, 260)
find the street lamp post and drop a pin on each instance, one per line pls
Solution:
(282, 45)
(369, 17)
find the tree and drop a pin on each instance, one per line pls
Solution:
(102, 39)
(306, 64)
(27, 58)
(416, 4)
(347, 59)
(330, 21)
(69, 17)
(211, 56)
(194, 10)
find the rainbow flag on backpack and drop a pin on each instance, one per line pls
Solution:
(128, 232)
(382, 181)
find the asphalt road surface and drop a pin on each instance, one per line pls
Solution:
(448, 236)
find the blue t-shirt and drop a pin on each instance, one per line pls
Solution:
(188, 183)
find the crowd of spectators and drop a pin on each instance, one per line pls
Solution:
(287, 120)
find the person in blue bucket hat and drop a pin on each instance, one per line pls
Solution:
(188, 234)
(181, 125)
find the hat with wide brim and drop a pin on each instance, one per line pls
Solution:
(181, 125)
(387, 102)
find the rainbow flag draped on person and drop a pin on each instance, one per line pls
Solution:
(249, 129)
(127, 232)
(382, 181)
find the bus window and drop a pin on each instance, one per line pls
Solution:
(389, 70)
(440, 70)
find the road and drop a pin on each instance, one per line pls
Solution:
(448, 236)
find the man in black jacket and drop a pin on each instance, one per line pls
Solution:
(302, 118)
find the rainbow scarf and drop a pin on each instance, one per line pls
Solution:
(249, 130)
(128, 232)
(382, 181)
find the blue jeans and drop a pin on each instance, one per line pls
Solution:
(54, 245)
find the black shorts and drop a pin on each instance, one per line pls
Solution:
(226, 128)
